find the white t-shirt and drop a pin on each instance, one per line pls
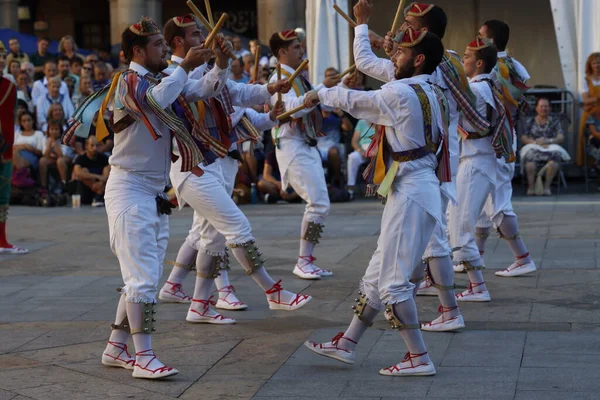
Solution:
(586, 88)
(36, 140)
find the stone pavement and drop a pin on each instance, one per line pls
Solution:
(538, 339)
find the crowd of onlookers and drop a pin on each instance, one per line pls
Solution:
(51, 86)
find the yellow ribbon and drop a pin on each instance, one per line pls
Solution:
(380, 162)
(386, 184)
(101, 129)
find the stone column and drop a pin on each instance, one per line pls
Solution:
(279, 15)
(9, 15)
(122, 14)
(154, 11)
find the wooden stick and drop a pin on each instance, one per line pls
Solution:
(298, 70)
(215, 30)
(289, 113)
(399, 12)
(256, 60)
(209, 12)
(198, 14)
(279, 96)
(345, 16)
(346, 72)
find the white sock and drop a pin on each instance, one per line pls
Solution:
(185, 256)
(203, 286)
(477, 277)
(141, 341)
(406, 312)
(442, 273)
(306, 248)
(510, 227)
(481, 235)
(222, 281)
(119, 335)
(357, 328)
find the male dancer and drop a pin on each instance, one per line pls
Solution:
(511, 78)
(299, 160)
(408, 110)
(137, 212)
(8, 105)
(451, 78)
(477, 168)
(217, 219)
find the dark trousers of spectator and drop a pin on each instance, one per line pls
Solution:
(87, 195)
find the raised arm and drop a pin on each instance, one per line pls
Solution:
(366, 61)
(243, 95)
(262, 121)
(207, 86)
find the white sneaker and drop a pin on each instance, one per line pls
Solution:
(116, 355)
(294, 302)
(172, 293)
(324, 272)
(151, 369)
(427, 289)
(306, 272)
(470, 295)
(230, 300)
(407, 368)
(459, 267)
(517, 269)
(444, 325)
(331, 350)
(206, 315)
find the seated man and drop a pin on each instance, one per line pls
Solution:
(91, 173)
(270, 184)
(361, 139)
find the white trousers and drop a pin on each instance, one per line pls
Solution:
(438, 245)
(217, 219)
(305, 174)
(355, 160)
(474, 189)
(138, 233)
(500, 204)
(406, 228)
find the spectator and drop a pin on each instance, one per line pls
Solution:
(101, 76)
(3, 64)
(40, 87)
(238, 50)
(264, 60)
(542, 135)
(85, 89)
(329, 146)
(76, 65)
(68, 48)
(21, 108)
(29, 143)
(53, 97)
(64, 71)
(91, 58)
(13, 68)
(361, 139)
(40, 57)
(70, 81)
(591, 97)
(55, 156)
(248, 65)
(91, 172)
(15, 52)
(270, 184)
(237, 71)
(24, 89)
(56, 113)
(28, 67)
(87, 70)
(593, 125)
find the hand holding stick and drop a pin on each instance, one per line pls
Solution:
(298, 70)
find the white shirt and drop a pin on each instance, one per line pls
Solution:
(397, 107)
(291, 100)
(586, 88)
(383, 69)
(36, 140)
(518, 66)
(43, 105)
(481, 147)
(135, 150)
(40, 88)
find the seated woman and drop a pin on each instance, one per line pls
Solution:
(361, 139)
(56, 156)
(593, 126)
(542, 138)
(270, 184)
(29, 143)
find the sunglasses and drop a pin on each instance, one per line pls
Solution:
(87, 68)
